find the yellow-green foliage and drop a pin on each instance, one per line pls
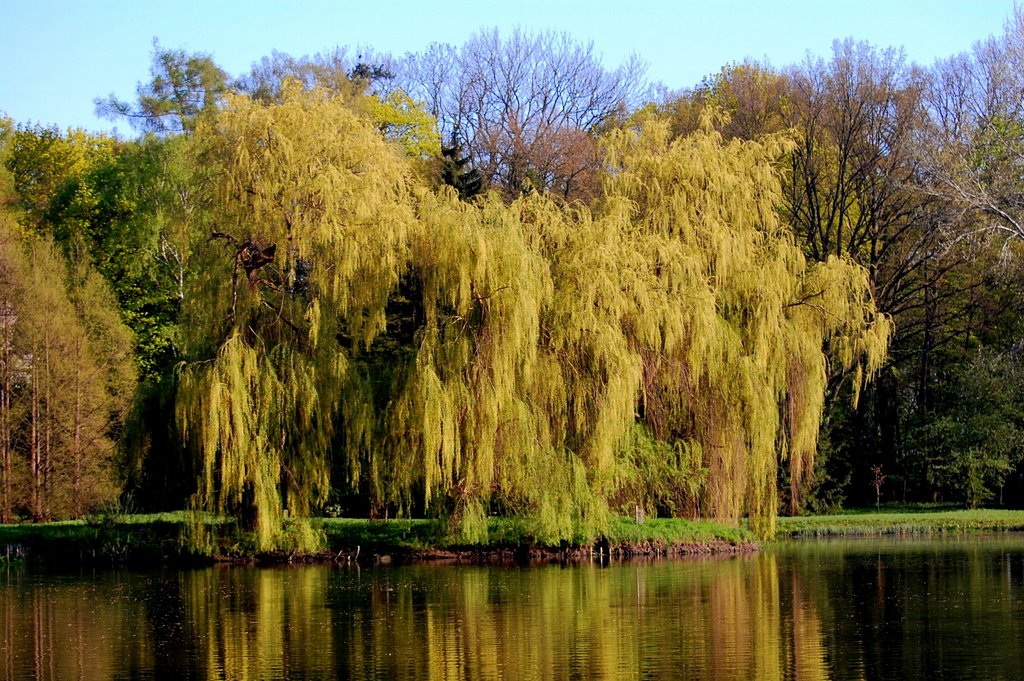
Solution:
(259, 397)
(731, 319)
(542, 334)
(66, 378)
(401, 120)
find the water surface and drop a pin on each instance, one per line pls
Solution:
(864, 609)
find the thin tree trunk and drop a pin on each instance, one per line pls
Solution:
(5, 446)
(34, 453)
(47, 459)
(6, 512)
(77, 483)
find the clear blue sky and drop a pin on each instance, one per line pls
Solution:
(57, 56)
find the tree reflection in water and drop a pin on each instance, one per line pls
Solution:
(811, 611)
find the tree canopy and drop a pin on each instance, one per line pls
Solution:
(494, 280)
(540, 336)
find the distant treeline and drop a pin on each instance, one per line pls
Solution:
(503, 279)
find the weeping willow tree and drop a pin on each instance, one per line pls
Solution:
(735, 330)
(309, 238)
(674, 340)
(479, 421)
(668, 348)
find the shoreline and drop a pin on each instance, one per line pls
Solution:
(540, 555)
(527, 555)
(154, 540)
(889, 522)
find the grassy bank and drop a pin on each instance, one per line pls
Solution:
(151, 539)
(429, 538)
(917, 521)
(154, 539)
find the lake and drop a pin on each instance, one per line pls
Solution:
(860, 609)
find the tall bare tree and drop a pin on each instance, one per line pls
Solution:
(973, 153)
(525, 107)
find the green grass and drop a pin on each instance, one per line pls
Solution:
(426, 535)
(675, 531)
(155, 538)
(921, 520)
(401, 534)
(149, 538)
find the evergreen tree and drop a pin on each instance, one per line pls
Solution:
(468, 182)
(182, 88)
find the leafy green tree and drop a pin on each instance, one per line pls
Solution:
(127, 216)
(975, 439)
(43, 161)
(123, 207)
(403, 121)
(182, 87)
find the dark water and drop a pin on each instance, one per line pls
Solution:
(950, 609)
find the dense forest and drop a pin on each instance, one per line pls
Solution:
(502, 278)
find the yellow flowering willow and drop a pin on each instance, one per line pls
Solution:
(664, 348)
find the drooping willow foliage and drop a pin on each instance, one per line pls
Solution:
(663, 349)
(310, 237)
(730, 319)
